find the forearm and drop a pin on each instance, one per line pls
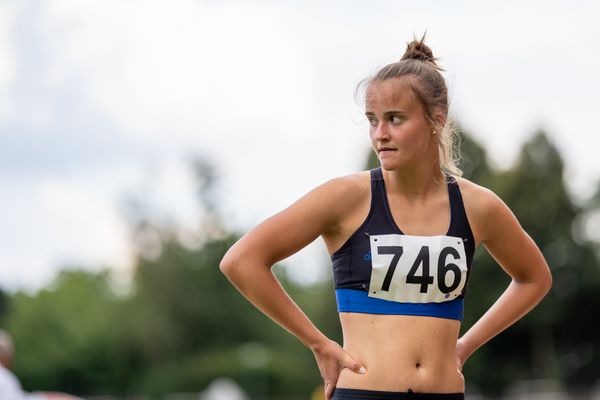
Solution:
(258, 284)
(516, 301)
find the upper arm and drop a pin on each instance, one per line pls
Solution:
(291, 229)
(507, 242)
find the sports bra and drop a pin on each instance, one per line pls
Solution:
(380, 270)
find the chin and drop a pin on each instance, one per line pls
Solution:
(399, 163)
(389, 165)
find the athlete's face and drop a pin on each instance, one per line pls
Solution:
(400, 133)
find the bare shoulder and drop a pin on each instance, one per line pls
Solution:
(483, 207)
(348, 191)
(476, 197)
(496, 227)
(349, 201)
(330, 202)
(321, 211)
(351, 182)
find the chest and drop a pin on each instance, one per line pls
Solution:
(427, 219)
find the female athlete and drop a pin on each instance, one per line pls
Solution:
(401, 239)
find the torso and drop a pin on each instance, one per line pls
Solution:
(400, 352)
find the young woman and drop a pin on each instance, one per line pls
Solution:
(401, 239)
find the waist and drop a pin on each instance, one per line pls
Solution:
(402, 352)
(359, 301)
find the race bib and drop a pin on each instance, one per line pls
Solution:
(417, 269)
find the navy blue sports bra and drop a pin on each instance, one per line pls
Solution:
(380, 270)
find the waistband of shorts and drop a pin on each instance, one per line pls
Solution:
(345, 393)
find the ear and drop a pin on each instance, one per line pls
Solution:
(440, 119)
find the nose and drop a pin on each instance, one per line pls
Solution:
(381, 131)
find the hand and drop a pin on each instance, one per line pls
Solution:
(331, 358)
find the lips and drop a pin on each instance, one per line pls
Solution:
(384, 149)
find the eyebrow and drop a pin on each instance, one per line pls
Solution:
(388, 113)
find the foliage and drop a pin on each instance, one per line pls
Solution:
(550, 342)
(63, 334)
(183, 324)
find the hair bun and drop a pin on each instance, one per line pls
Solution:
(418, 50)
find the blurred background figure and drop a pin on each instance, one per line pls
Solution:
(51, 396)
(10, 388)
(223, 389)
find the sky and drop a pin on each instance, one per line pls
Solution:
(105, 101)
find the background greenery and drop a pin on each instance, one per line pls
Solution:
(182, 325)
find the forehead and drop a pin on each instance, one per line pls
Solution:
(390, 94)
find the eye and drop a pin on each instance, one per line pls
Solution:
(372, 121)
(395, 119)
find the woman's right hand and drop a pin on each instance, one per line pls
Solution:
(331, 358)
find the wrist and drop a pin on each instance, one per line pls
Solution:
(465, 348)
(318, 343)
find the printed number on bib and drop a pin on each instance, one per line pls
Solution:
(417, 269)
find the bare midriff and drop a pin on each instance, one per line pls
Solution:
(402, 353)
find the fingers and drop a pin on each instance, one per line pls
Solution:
(347, 362)
(353, 365)
(331, 360)
(329, 391)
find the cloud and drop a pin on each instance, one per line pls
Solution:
(76, 218)
(94, 93)
(52, 222)
(8, 65)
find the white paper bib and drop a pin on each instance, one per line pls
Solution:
(417, 269)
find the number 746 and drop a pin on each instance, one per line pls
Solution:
(422, 259)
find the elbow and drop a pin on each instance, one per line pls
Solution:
(227, 264)
(240, 262)
(236, 263)
(540, 283)
(543, 283)
(547, 282)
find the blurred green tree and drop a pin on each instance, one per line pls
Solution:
(542, 344)
(183, 324)
(4, 301)
(64, 335)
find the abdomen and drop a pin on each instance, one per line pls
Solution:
(402, 352)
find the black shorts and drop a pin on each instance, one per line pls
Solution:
(353, 394)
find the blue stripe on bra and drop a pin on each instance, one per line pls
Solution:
(353, 300)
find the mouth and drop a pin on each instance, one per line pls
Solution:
(386, 149)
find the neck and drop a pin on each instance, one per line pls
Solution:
(414, 184)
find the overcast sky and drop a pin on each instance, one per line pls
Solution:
(101, 100)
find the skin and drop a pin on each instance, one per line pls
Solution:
(424, 354)
(6, 360)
